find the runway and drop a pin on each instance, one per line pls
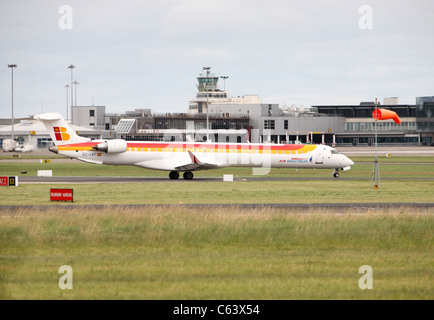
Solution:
(96, 180)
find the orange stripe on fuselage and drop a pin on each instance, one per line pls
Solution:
(220, 148)
(85, 146)
(165, 146)
(175, 145)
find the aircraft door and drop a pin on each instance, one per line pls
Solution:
(319, 159)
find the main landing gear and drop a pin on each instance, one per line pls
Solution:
(174, 175)
(188, 175)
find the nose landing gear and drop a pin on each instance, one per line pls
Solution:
(336, 173)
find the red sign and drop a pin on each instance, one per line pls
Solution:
(61, 195)
(8, 181)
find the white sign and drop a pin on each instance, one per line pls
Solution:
(45, 173)
(228, 177)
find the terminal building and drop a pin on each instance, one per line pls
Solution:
(214, 115)
(416, 128)
(359, 124)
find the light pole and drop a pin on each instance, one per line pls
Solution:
(207, 115)
(75, 91)
(72, 102)
(67, 87)
(376, 168)
(12, 66)
(207, 69)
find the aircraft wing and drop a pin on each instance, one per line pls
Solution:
(196, 164)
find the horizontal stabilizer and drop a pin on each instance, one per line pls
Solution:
(49, 116)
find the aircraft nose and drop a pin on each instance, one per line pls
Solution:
(348, 161)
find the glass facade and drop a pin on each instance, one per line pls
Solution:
(381, 126)
(215, 123)
(365, 111)
(207, 83)
(425, 114)
(369, 141)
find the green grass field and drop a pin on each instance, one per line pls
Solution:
(238, 192)
(178, 252)
(181, 253)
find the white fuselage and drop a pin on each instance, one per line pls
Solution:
(170, 156)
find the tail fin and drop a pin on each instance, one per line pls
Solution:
(60, 131)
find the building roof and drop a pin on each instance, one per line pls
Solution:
(37, 126)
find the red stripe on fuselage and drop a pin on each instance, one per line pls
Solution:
(82, 144)
(185, 145)
(246, 146)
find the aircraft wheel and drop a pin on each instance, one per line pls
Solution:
(336, 175)
(173, 175)
(188, 175)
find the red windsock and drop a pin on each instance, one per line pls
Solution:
(383, 114)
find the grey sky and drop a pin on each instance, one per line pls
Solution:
(146, 54)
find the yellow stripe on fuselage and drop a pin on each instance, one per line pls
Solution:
(74, 148)
(266, 149)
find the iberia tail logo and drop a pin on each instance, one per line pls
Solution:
(60, 133)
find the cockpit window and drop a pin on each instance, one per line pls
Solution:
(334, 151)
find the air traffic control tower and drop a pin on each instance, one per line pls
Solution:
(207, 82)
(208, 92)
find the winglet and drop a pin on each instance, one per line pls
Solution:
(196, 164)
(193, 157)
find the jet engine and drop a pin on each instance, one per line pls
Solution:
(112, 146)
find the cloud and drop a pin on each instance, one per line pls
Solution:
(137, 53)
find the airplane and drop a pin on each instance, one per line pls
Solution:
(177, 157)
